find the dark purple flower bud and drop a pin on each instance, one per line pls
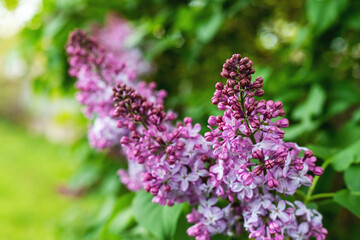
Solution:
(230, 91)
(209, 136)
(269, 164)
(272, 183)
(280, 161)
(215, 100)
(257, 171)
(274, 227)
(259, 92)
(167, 188)
(147, 187)
(318, 171)
(281, 152)
(308, 154)
(278, 104)
(204, 158)
(125, 140)
(137, 118)
(171, 159)
(180, 146)
(131, 126)
(247, 179)
(212, 121)
(147, 177)
(257, 154)
(188, 120)
(154, 191)
(247, 131)
(219, 86)
(281, 112)
(282, 123)
(233, 75)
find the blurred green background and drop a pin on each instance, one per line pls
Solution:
(53, 186)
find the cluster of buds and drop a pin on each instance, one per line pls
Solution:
(99, 65)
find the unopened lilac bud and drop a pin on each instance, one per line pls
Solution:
(282, 123)
(281, 112)
(215, 100)
(171, 159)
(274, 228)
(180, 146)
(230, 91)
(167, 188)
(204, 158)
(191, 218)
(269, 164)
(209, 136)
(257, 154)
(219, 86)
(257, 171)
(280, 161)
(188, 120)
(159, 140)
(147, 177)
(272, 183)
(147, 187)
(318, 171)
(219, 119)
(247, 179)
(259, 92)
(131, 126)
(247, 131)
(308, 154)
(278, 104)
(137, 118)
(125, 140)
(154, 191)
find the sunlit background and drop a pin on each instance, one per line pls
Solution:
(53, 186)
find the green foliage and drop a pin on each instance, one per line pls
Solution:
(352, 178)
(159, 220)
(348, 200)
(323, 13)
(346, 157)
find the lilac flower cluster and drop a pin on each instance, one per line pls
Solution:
(98, 68)
(235, 176)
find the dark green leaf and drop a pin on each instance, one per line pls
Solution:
(159, 220)
(349, 201)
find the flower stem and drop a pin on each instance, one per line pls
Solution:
(322, 195)
(316, 179)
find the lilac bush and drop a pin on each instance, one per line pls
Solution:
(236, 176)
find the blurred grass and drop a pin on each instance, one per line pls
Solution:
(31, 171)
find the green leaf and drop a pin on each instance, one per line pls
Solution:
(159, 220)
(207, 30)
(346, 157)
(348, 200)
(352, 178)
(323, 13)
(313, 105)
(120, 217)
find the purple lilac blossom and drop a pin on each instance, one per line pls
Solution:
(243, 163)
